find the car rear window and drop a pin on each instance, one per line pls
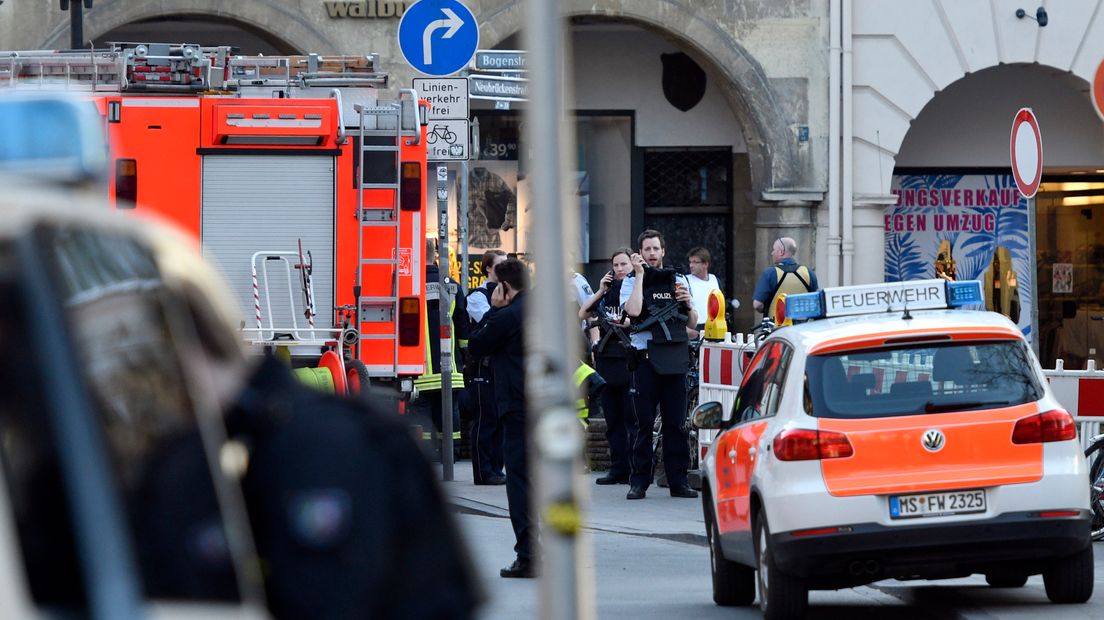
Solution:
(921, 379)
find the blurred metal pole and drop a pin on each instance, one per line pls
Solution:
(76, 24)
(444, 334)
(551, 358)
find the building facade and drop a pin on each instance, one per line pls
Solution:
(729, 123)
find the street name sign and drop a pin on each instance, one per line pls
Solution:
(438, 37)
(447, 97)
(1026, 150)
(500, 60)
(497, 87)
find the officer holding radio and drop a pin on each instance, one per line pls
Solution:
(660, 308)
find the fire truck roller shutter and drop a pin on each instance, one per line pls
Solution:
(257, 203)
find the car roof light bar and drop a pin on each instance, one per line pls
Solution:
(910, 295)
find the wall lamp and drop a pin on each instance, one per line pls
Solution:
(1040, 16)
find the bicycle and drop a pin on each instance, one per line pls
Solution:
(1094, 454)
(442, 132)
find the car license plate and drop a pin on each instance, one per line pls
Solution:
(936, 504)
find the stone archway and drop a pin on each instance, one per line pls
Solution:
(263, 16)
(771, 149)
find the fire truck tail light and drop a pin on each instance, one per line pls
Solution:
(410, 188)
(410, 324)
(802, 444)
(126, 183)
(1055, 425)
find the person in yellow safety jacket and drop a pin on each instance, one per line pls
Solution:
(785, 277)
(428, 404)
(590, 385)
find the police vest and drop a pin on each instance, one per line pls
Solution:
(613, 341)
(660, 313)
(665, 318)
(431, 380)
(790, 280)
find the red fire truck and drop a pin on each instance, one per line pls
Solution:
(301, 182)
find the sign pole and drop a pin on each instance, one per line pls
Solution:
(550, 357)
(465, 271)
(446, 335)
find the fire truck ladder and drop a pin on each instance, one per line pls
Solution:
(382, 131)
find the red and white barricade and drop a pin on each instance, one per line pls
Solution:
(721, 368)
(1081, 392)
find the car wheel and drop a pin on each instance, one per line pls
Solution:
(781, 595)
(1070, 579)
(1006, 581)
(733, 583)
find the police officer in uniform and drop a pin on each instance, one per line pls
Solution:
(479, 381)
(660, 307)
(502, 339)
(428, 405)
(611, 360)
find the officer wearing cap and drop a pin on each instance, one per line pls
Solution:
(660, 307)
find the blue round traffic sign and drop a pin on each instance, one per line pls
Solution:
(438, 37)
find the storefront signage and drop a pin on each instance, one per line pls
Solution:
(964, 227)
(366, 8)
(495, 87)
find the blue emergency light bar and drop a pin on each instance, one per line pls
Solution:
(964, 293)
(884, 297)
(805, 306)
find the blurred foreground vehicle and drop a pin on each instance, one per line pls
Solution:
(123, 495)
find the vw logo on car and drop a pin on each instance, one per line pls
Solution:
(934, 440)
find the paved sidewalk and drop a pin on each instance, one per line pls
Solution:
(605, 508)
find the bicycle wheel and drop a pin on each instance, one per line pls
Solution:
(1095, 456)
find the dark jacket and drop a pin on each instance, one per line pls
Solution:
(502, 339)
(347, 514)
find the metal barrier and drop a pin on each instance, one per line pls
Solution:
(1081, 392)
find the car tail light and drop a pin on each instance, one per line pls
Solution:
(410, 187)
(1054, 514)
(802, 444)
(126, 183)
(410, 324)
(1054, 425)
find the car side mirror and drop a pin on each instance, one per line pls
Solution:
(707, 416)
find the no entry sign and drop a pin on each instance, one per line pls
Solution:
(1026, 148)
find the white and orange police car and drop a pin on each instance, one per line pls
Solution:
(894, 436)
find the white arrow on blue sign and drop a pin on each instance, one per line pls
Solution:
(438, 37)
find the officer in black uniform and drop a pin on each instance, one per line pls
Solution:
(661, 308)
(347, 515)
(611, 360)
(502, 339)
(479, 381)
